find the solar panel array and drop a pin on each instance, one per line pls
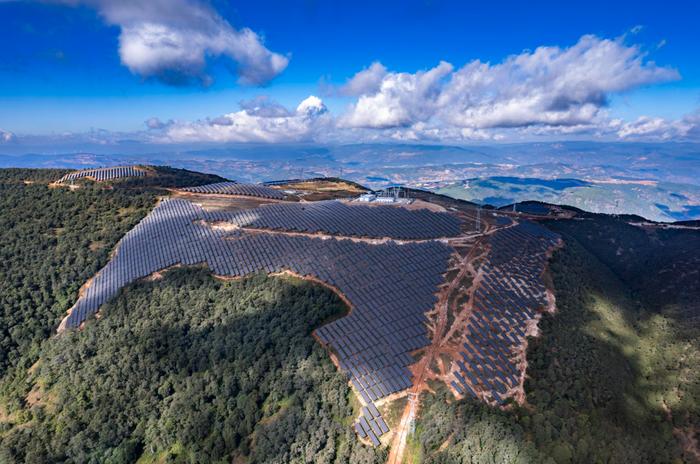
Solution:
(371, 424)
(389, 285)
(102, 174)
(338, 218)
(510, 293)
(235, 188)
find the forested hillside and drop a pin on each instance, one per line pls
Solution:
(661, 266)
(610, 380)
(193, 369)
(53, 239)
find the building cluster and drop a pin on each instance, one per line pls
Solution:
(390, 195)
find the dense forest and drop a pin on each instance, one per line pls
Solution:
(659, 265)
(193, 369)
(53, 239)
(609, 380)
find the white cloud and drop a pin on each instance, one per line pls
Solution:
(422, 132)
(263, 106)
(7, 136)
(550, 86)
(636, 29)
(366, 81)
(693, 122)
(254, 125)
(401, 100)
(172, 39)
(155, 123)
(551, 92)
(311, 106)
(650, 128)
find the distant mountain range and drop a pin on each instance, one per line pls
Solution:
(659, 181)
(658, 201)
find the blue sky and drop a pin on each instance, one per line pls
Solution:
(78, 68)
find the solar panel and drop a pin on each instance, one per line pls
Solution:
(103, 174)
(371, 424)
(338, 218)
(389, 297)
(235, 188)
(511, 293)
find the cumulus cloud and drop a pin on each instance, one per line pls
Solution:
(693, 125)
(264, 106)
(422, 132)
(254, 124)
(366, 81)
(311, 107)
(551, 92)
(654, 128)
(401, 99)
(155, 123)
(7, 136)
(550, 86)
(171, 40)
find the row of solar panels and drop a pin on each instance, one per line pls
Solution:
(509, 294)
(390, 286)
(338, 218)
(371, 424)
(235, 188)
(102, 174)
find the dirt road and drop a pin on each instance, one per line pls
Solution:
(422, 368)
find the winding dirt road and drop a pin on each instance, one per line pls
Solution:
(441, 334)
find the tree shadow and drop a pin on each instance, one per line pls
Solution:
(598, 365)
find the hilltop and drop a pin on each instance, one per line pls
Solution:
(204, 319)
